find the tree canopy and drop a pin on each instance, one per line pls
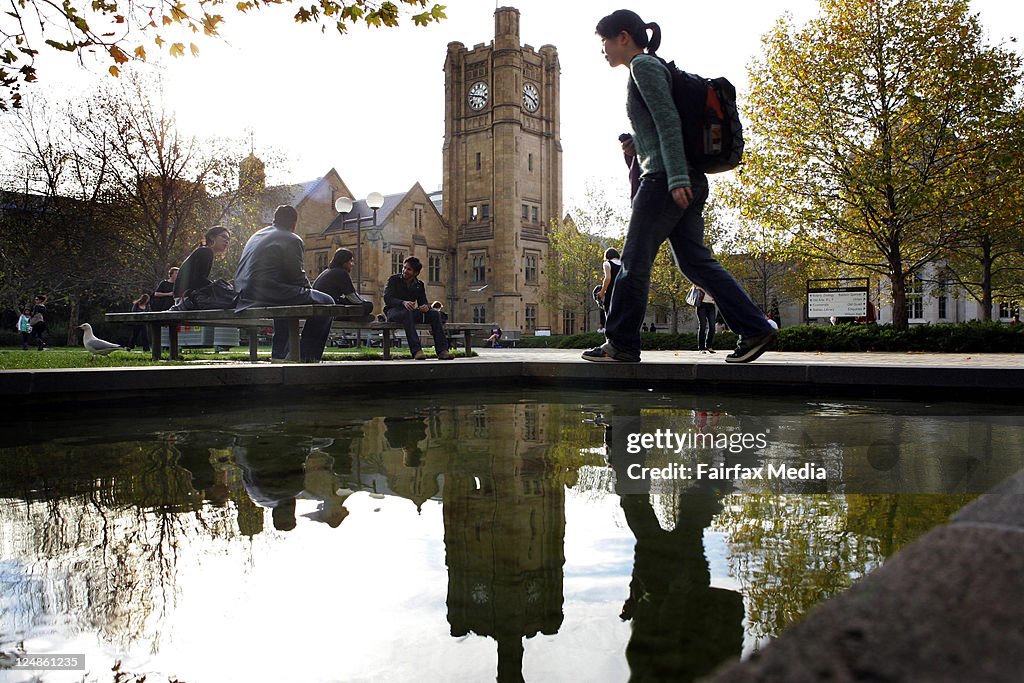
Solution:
(865, 123)
(123, 30)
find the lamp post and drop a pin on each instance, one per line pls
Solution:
(343, 205)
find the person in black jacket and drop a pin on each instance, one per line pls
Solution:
(405, 302)
(337, 281)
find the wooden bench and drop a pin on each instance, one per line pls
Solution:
(509, 338)
(387, 331)
(251, 319)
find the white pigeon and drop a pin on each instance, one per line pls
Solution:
(95, 345)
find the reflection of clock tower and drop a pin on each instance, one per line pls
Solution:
(502, 175)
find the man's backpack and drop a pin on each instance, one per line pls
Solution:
(712, 132)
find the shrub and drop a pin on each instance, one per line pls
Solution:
(968, 337)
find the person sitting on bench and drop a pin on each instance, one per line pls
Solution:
(405, 302)
(337, 281)
(270, 273)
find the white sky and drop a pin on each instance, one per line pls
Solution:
(371, 104)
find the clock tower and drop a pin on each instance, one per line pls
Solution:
(502, 176)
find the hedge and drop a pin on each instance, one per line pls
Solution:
(969, 337)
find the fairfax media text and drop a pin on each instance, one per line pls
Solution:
(806, 472)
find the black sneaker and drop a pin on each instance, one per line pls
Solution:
(751, 348)
(607, 353)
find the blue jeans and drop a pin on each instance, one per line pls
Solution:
(706, 326)
(408, 319)
(656, 217)
(314, 332)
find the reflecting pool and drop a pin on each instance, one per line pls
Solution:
(501, 535)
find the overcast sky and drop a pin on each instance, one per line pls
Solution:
(370, 103)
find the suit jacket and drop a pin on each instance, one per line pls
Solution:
(270, 271)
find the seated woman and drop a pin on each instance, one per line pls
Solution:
(193, 288)
(495, 336)
(337, 282)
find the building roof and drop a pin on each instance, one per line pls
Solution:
(360, 211)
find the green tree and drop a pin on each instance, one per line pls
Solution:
(578, 242)
(123, 30)
(988, 259)
(865, 122)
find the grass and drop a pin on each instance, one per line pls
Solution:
(77, 357)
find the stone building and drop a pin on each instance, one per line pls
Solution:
(483, 239)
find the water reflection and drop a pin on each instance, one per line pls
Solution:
(109, 529)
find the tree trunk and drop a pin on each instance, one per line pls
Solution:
(72, 336)
(900, 318)
(986, 280)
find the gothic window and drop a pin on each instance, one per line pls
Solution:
(434, 262)
(531, 317)
(397, 257)
(479, 263)
(568, 322)
(480, 313)
(530, 267)
(485, 212)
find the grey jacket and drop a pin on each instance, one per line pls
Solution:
(270, 272)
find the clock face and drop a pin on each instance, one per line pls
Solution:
(477, 97)
(531, 98)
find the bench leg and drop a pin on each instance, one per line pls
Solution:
(254, 343)
(156, 343)
(386, 343)
(469, 343)
(172, 340)
(293, 340)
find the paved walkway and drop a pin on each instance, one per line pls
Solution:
(900, 359)
(957, 376)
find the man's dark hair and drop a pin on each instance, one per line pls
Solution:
(286, 216)
(341, 257)
(414, 263)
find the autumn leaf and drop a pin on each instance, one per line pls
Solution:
(177, 50)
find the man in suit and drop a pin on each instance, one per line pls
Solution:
(270, 273)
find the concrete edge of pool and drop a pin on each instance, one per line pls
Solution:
(865, 378)
(947, 607)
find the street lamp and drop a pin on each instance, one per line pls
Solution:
(343, 205)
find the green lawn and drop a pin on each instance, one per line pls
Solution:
(13, 358)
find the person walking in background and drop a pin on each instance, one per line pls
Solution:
(38, 322)
(139, 332)
(611, 266)
(706, 314)
(163, 295)
(24, 327)
(668, 205)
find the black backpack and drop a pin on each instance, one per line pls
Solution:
(712, 132)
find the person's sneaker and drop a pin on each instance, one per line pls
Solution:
(711, 351)
(419, 355)
(445, 355)
(751, 348)
(278, 361)
(606, 352)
